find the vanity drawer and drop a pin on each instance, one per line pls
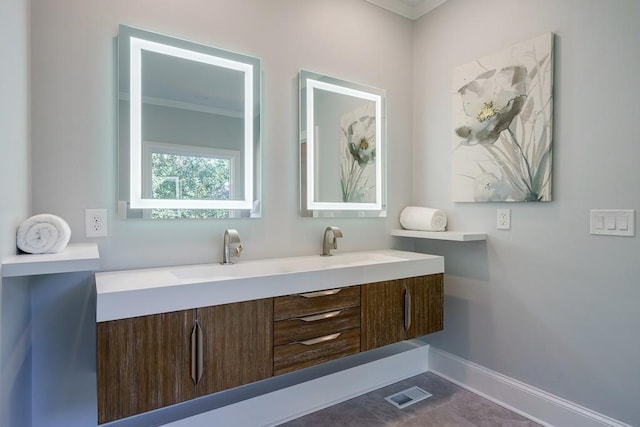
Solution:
(300, 305)
(305, 353)
(315, 325)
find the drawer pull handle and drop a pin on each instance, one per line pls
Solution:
(320, 339)
(320, 293)
(320, 316)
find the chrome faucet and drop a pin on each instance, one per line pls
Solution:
(329, 240)
(232, 246)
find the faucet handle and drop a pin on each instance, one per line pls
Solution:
(238, 249)
(231, 246)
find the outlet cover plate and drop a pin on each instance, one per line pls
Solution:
(95, 222)
(503, 219)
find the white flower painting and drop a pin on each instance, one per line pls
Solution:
(358, 155)
(502, 115)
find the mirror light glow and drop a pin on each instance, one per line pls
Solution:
(312, 204)
(137, 46)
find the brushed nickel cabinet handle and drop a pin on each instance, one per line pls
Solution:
(321, 316)
(320, 339)
(320, 293)
(200, 364)
(194, 354)
(407, 309)
(197, 365)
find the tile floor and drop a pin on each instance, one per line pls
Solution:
(450, 406)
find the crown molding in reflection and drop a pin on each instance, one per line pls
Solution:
(187, 106)
(412, 9)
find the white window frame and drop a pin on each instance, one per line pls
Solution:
(150, 147)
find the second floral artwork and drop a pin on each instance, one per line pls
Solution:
(358, 148)
(502, 115)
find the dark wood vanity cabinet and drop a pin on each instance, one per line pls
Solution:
(427, 305)
(236, 345)
(315, 327)
(143, 363)
(148, 362)
(397, 310)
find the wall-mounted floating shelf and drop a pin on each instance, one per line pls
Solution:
(458, 236)
(76, 257)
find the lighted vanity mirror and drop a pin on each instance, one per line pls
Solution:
(342, 148)
(189, 118)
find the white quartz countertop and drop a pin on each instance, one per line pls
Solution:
(131, 293)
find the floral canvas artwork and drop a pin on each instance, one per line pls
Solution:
(502, 115)
(358, 155)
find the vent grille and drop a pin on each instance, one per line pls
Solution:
(407, 397)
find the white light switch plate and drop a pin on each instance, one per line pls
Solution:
(611, 222)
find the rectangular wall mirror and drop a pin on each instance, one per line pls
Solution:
(189, 123)
(342, 148)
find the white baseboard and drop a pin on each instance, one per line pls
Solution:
(530, 402)
(282, 405)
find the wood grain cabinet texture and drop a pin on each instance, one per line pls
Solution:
(397, 310)
(315, 327)
(237, 344)
(138, 358)
(148, 362)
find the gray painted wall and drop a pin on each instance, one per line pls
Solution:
(74, 143)
(74, 115)
(545, 303)
(15, 312)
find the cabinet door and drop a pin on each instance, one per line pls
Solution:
(382, 314)
(426, 301)
(143, 364)
(237, 344)
(397, 310)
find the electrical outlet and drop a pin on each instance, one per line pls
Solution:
(95, 222)
(504, 219)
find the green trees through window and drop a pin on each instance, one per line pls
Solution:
(175, 176)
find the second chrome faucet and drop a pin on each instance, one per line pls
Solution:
(231, 247)
(329, 240)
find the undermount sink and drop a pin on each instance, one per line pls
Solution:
(123, 294)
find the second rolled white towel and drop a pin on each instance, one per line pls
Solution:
(43, 234)
(423, 219)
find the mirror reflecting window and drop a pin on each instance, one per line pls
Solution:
(342, 148)
(189, 129)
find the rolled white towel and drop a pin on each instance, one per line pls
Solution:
(423, 219)
(43, 234)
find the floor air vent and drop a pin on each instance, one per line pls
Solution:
(407, 397)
